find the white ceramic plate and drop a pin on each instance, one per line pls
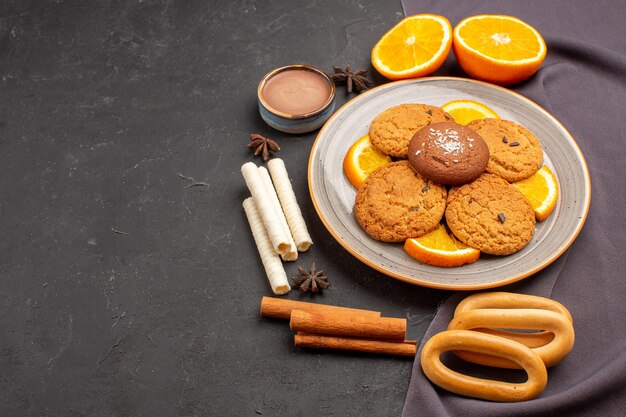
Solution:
(333, 196)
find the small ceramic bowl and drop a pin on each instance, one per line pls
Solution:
(296, 123)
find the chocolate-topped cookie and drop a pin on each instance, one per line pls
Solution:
(448, 153)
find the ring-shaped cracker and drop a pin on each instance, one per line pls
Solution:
(522, 318)
(486, 389)
(501, 299)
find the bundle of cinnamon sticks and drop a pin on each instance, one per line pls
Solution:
(330, 327)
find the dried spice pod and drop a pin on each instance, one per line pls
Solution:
(312, 280)
(355, 81)
(262, 145)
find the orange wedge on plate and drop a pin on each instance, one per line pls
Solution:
(465, 111)
(415, 47)
(496, 48)
(542, 191)
(440, 248)
(362, 159)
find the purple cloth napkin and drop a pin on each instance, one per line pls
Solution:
(583, 84)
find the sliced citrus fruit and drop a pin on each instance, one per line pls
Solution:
(439, 248)
(496, 48)
(465, 111)
(542, 191)
(415, 47)
(362, 159)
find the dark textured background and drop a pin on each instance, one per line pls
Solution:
(102, 105)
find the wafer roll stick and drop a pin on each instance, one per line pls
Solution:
(292, 255)
(281, 309)
(348, 325)
(387, 347)
(278, 236)
(271, 262)
(290, 204)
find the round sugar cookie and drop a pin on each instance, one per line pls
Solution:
(514, 152)
(392, 130)
(395, 203)
(491, 215)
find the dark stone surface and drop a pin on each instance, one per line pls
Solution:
(126, 293)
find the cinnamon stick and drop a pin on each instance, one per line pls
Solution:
(281, 308)
(317, 341)
(348, 324)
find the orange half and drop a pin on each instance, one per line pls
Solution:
(439, 248)
(465, 111)
(415, 47)
(362, 159)
(542, 191)
(497, 48)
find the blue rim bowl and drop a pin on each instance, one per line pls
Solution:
(296, 123)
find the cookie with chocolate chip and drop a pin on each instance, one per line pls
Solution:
(395, 203)
(491, 215)
(514, 152)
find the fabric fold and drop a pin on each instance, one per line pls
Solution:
(583, 84)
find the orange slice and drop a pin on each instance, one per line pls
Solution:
(362, 159)
(496, 48)
(415, 47)
(542, 191)
(465, 111)
(439, 248)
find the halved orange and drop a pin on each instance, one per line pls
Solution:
(465, 111)
(362, 159)
(542, 191)
(497, 48)
(415, 47)
(439, 248)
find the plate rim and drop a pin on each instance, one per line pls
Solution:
(429, 284)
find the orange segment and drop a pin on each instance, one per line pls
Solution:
(415, 47)
(362, 159)
(496, 48)
(542, 191)
(439, 248)
(465, 111)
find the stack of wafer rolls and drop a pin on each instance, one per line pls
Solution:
(321, 326)
(491, 329)
(275, 219)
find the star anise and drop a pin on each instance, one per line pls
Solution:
(356, 81)
(262, 145)
(313, 280)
